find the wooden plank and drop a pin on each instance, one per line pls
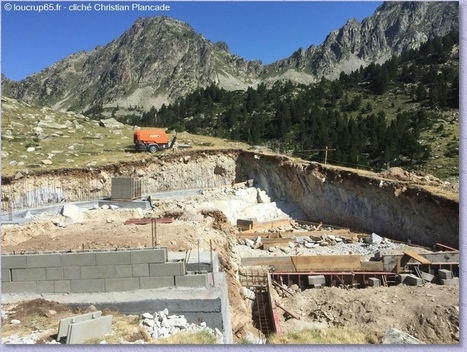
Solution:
(417, 257)
(327, 263)
(372, 266)
(280, 264)
(293, 315)
(442, 246)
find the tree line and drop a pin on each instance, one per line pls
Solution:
(341, 114)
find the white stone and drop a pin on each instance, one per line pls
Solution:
(147, 316)
(72, 211)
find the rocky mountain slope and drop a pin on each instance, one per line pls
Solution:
(393, 29)
(160, 59)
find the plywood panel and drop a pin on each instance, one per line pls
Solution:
(327, 263)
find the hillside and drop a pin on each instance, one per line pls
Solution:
(38, 139)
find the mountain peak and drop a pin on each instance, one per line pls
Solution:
(159, 59)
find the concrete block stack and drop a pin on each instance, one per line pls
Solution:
(95, 271)
(446, 277)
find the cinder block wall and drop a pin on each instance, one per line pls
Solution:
(94, 271)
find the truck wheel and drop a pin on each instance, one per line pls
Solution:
(153, 148)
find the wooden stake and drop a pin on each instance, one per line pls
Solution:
(287, 311)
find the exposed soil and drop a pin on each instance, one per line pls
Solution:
(429, 312)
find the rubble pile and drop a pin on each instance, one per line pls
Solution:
(161, 325)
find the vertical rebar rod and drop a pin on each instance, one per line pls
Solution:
(212, 264)
(199, 263)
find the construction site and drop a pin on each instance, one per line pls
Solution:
(249, 244)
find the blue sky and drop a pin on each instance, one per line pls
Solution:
(266, 31)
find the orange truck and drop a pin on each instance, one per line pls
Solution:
(152, 140)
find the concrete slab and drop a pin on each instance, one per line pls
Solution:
(89, 329)
(64, 323)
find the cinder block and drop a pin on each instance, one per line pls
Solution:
(123, 271)
(72, 273)
(44, 260)
(156, 255)
(445, 274)
(139, 270)
(6, 275)
(110, 258)
(428, 277)
(374, 282)
(98, 272)
(91, 285)
(315, 280)
(78, 259)
(89, 329)
(411, 280)
(45, 287)
(54, 273)
(15, 287)
(14, 262)
(62, 286)
(33, 274)
(122, 284)
(64, 323)
(453, 281)
(156, 282)
(167, 269)
(192, 280)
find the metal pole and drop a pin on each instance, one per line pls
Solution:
(199, 264)
(212, 264)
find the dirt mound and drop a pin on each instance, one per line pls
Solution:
(379, 309)
(38, 308)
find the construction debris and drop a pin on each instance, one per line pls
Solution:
(162, 325)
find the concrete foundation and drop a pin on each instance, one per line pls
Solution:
(126, 283)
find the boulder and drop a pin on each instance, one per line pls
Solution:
(72, 212)
(374, 239)
(111, 123)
